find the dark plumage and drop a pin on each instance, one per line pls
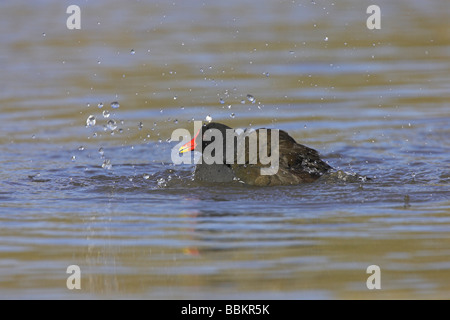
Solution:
(297, 163)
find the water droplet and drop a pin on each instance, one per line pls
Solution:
(140, 125)
(208, 118)
(106, 113)
(91, 121)
(111, 124)
(115, 105)
(81, 148)
(146, 176)
(232, 115)
(132, 51)
(100, 105)
(107, 164)
(251, 98)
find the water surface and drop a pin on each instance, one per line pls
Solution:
(108, 198)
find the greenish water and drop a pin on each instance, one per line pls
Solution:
(107, 197)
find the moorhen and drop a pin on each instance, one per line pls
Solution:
(296, 163)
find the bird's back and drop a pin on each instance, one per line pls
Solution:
(296, 164)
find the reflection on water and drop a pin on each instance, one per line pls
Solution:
(86, 176)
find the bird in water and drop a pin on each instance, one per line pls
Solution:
(247, 158)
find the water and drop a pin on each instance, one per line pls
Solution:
(104, 194)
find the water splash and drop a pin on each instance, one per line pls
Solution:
(162, 183)
(107, 164)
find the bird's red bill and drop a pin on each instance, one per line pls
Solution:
(190, 146)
